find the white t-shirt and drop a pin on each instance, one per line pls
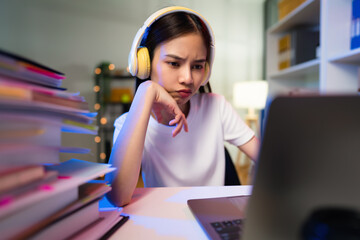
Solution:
(194, 158)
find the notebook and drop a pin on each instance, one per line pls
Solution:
(309, 163)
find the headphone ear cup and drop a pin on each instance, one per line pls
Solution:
(143, 63)
(206, 74)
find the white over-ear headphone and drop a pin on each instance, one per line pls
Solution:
(139, 59)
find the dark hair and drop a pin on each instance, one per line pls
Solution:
(170, 27)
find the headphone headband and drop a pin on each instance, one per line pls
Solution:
(133, 58)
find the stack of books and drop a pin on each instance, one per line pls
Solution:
(41, 197)
(297, 46)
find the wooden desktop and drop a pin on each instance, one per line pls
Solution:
(162, 213)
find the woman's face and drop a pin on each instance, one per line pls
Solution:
(178, 65)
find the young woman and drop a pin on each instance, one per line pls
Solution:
(174, 130)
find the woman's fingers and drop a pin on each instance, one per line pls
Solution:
(180, 122)
(185, 124)
(175, 120)
(177, 130)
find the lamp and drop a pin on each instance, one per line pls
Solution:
(250, 95)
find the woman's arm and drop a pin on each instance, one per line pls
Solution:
(127, 151)
(251, 148)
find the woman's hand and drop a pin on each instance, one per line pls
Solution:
(166, 110)
(127, 150)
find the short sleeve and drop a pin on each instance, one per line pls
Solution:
(236, 131)
(118, 124)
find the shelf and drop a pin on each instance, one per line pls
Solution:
(297, 71)
(306, 13)
(108, 103)
(121, 77)
(107, 128)
(336, 70)
(351, 57)
(112, 87)
(117, 77)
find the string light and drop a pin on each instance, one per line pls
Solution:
(96, 88)
(103, 120)
(102, 156)
(97, 106)
(97, 71)
(111, 66)
(97, 139)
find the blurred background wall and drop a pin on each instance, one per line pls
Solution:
(75, 36)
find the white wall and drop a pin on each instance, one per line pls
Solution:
(74, 36)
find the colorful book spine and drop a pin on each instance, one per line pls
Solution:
(285, 7)
(19, 177)
(355, 25)
(285, 52)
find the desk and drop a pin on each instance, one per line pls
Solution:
(162, 213)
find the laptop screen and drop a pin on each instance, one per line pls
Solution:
(309, 159)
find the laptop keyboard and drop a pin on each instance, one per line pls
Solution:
(229, 230)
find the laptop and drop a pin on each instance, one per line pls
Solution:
(308, 169)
